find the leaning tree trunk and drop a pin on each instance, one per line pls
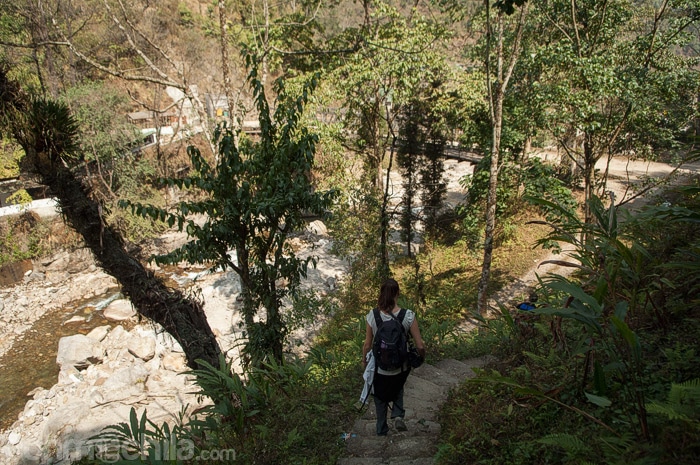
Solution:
(47, 132)
(181, 317)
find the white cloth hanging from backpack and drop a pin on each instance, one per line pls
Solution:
(368, 376)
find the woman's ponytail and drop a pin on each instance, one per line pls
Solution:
(387, 295)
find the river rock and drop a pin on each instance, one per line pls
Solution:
(14, 438)
(99, 333)
(57, 277)
(75, 319)
(317, 227)
(119, 310)
(58, 262)
(142, 346)
(69, 375)
(174, 362)
(78, 351)
(79, 260)
(115, 337)
(125, 383)
(37, 393)
(59, 420)
(35, 276)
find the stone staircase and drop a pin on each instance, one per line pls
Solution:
(426, 389)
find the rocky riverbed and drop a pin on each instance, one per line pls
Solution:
(124, 364)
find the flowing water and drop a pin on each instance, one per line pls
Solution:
(31, 362)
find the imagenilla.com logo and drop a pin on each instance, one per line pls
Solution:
(145, 450)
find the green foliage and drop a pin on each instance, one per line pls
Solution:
(235, 401)
(55, 133)
(584, 364)
(186, 16)
(519, 186)
(21, 197)
(355, 222)
(10, 156)
(106, 139)
(540, 181)
(254, 198)
(611, 83)
(143, 441)
(22, 237)
(420, 160)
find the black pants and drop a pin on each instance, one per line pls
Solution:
(388, 388)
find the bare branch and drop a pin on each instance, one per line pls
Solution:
(148, 107)
(116, 73)
(516, 46)
(140, 52)
(33, 45)
(150, 42)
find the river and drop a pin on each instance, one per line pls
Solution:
(31, 362)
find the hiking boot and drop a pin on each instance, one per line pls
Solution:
(399, 424)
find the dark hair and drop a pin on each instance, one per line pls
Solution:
(387, 295)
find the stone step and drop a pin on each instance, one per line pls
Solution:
(417, 409)
(460, 370)
(391, 446)
(360, 461)
(411, 461)
(368, 428)
(453, 368)
(423, 387)
(434, 375)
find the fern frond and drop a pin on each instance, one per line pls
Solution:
(684, 393)
(683, 403)
(571, 444)
(670, 411)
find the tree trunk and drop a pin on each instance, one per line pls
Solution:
(384, 221)
(182, 317)
(491, 203)
(589, 160)
(496, 97)
(527, 148)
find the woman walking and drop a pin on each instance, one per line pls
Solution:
(388, 383)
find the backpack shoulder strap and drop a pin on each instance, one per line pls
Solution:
(401, 315)
(377, 317)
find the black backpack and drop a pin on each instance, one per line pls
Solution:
(390, 347)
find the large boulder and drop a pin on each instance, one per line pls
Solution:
(125, 385)
(317, 227)
(78, 351)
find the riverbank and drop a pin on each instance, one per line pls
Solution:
(104, 373)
